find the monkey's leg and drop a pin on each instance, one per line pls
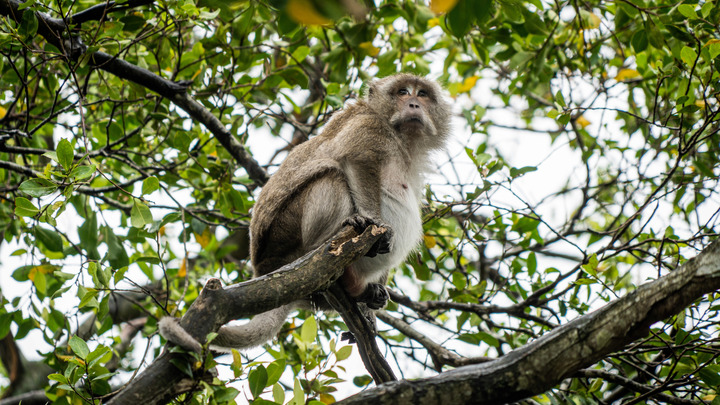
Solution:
(359, 223)
(374, 295)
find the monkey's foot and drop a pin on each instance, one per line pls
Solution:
(375, 296)
(360, 223)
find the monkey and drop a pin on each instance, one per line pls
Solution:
(366, 167)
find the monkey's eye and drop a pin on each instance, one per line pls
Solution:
(403, 92)
(422, 93)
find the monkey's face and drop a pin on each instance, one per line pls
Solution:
(412, 106)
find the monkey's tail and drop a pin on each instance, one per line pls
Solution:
(260, 329)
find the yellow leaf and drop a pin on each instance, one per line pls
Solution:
(433, 22)
(442, 6)
(65, 357)
(700, 103)
(582, 121)
(369, 48)
(327, 399)
(3, 111)
(468, 84)
(627, 74)
(304, 12)
(161, 231)
(43, 268)
(182, 271)
(594, 21)
(430, 241)
(203, 239)
(709, 397)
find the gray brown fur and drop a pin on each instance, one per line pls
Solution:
(347, 159)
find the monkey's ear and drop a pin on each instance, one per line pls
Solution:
(372, 89)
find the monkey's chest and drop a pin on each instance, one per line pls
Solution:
(400, 208)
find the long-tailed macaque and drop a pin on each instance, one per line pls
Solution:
(366, 167)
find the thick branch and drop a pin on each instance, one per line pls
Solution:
(316, 271)
(543, 363)
(362, 326)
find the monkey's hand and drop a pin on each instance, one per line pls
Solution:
(375, 296)
(360, 223)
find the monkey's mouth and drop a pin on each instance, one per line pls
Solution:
(413, 120)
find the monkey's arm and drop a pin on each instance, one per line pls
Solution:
(363, 155)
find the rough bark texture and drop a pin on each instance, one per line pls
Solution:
(543, 363)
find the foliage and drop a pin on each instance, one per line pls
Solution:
(585, 162)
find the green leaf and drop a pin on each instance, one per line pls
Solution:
(278, 394)
(531, 263)
(82, 172)
(489, 339)
(343, 353)
(25, 208)
(65, 154)
(275, 371)
(362, 380)
(89, 236)
(87, 297)
(79, 347)
(459, 280)
(459, 19)
(58, 377)
(714, 49)
(51, 239)
(28, 25)
(711, 375)
(257, 378)
(688, 10)
(236, 364)
(308, 333)
(591, 266)
(639, 41)
(38, 187)
(116, 254)
(225, 394)
(140, 214)
(514, 172)
(40, 282)
(5, 321)
(298, 394)
(688, 55)
(707, 8)
(301, 53)
(150, 185)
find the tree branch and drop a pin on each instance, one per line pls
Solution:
(315, 271)
(362, 326)
(543, 363)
